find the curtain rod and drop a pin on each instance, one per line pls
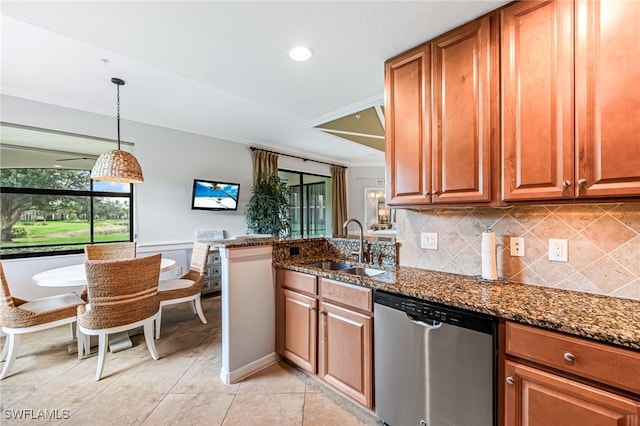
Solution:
(295, 156)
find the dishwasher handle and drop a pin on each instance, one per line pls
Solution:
(436, 324)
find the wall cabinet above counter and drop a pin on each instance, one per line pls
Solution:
(536, 101)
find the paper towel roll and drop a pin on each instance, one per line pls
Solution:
(489, 266)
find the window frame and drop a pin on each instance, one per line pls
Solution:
(91, 194)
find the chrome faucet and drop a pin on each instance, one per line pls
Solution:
(361, 250)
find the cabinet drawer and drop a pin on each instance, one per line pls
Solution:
(212, 271)
(597, 361)
(346, 294)
(214, 258)
(298, 281)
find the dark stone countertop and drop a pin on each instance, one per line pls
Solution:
(604, 318)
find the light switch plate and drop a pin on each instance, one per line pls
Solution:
(429, 240)
(516, 246)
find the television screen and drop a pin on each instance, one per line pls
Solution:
(214, 195)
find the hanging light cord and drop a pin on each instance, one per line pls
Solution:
(118, 116)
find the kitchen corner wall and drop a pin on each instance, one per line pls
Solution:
(604, 244)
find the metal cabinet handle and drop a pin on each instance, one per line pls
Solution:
(313, 308)
(510, 380)
(569, 357)
(582, 182)
(566, 183)
(425, 193)
(434, 192)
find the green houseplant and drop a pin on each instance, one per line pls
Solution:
(268, 208)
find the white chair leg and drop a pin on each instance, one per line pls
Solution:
(199, 309)
(13, 341)
(103, 342)
(158, 322)
(5, 348)
(73, 329)
(81, 344)
(148, 337)
(193, 307)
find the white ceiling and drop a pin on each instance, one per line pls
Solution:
(221, 68)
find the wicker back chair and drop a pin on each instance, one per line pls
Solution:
(188, 287)
(122, 294)
(19, 316)
(111, 251)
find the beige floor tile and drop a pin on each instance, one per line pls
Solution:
(191, 409)
(277, 378)
(266, 409)
(322, 409)
(203, 377)
(161, 375)
(117, 407)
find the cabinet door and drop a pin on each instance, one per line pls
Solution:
(462, 100)
(407, 134)
(537, 398)
(608, 98)
(345, 352)
(299, 320)
(537, 100)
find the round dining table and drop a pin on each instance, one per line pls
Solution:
(75, 275)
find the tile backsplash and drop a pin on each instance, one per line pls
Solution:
(603, 239)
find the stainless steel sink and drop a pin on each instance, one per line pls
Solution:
(329, 265)
(363, 271)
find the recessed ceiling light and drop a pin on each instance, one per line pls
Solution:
(300, 53)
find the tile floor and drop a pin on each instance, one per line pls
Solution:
(182, 387)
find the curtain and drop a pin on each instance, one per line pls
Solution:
(264, 162)
(339, 199)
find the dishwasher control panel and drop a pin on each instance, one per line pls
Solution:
(433, 313)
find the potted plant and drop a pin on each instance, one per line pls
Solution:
(268, 208)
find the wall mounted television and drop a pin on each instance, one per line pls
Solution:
(214, 195)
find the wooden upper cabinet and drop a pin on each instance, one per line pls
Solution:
(462, 114)
(537, 100)
(408, 155)
(608, 98)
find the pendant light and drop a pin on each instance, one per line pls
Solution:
(117, 165)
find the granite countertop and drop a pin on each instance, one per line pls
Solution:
(608, 319)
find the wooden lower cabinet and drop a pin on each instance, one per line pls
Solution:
(299, 321)
(327, 330)
(550, 378)
(345, 351)
(538, 398)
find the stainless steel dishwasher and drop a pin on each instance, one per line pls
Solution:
(434, 365)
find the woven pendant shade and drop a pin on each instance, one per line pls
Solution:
(117, 166)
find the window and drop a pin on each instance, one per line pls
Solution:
(49, 204)
(309, 203)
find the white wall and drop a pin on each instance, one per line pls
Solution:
(170, 160)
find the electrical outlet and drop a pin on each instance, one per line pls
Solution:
(429, 240)
(516, 246)
(558, 250)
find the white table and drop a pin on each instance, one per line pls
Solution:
(76, 276)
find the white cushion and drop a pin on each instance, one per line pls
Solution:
(53, 302)
(176, 284)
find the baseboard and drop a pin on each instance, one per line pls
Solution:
(238, 374)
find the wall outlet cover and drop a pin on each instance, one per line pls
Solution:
(558, 250)
(516, 246)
